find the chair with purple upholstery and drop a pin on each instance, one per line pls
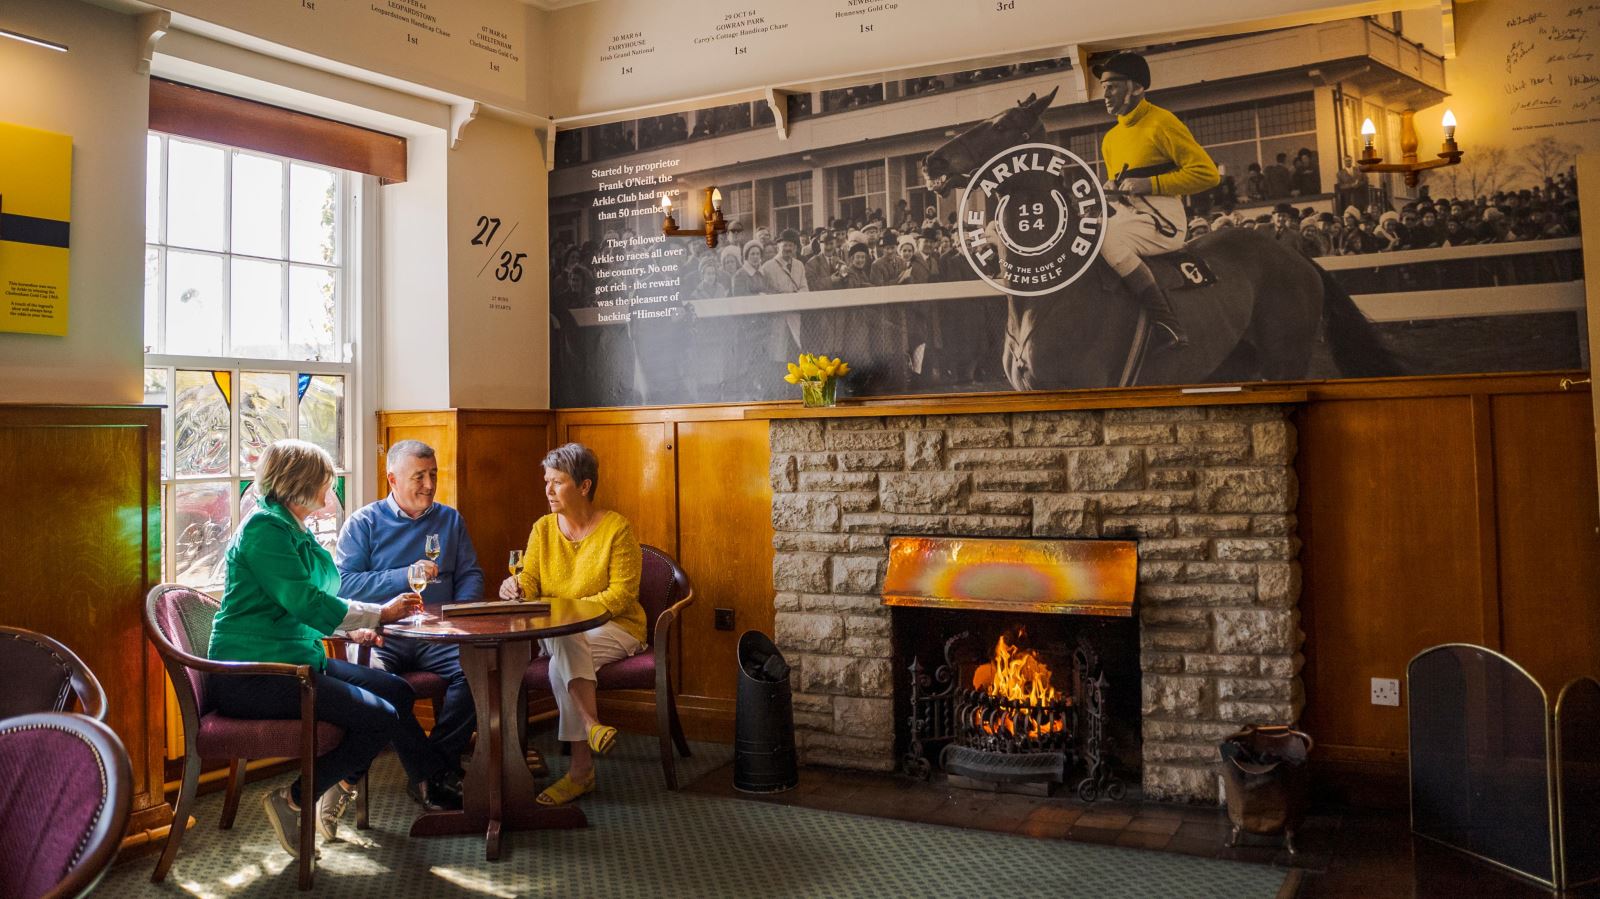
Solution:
(664, 591)
(65, 792)
(425, 684)
(178, 620)
(42, 675)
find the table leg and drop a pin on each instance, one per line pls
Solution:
(497, 792)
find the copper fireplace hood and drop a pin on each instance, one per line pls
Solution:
(1062, 577)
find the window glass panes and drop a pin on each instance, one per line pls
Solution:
(153, 188)
(194, 297)
(322, 414)
(257, 309)
(195, 213)
(200, 425)
(313, 313)
(201, 523)
(152, 297)
(263, 414)
(312, 210)
(257, 206)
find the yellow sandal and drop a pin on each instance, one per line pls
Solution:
(566, 790)
(601, 738)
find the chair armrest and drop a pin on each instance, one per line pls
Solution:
(90, 694)
(335, 646)
(210, 666)
(666, 621)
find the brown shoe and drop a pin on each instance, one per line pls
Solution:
(536, 763)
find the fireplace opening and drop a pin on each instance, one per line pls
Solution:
(1023, 702)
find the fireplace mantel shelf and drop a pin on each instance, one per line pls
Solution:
(967, 403)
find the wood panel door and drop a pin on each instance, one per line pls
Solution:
(725, 544)
(1549, 535)
(637, 475)
(1392, 524)
(501, 483)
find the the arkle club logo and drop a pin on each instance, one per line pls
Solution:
(1032, 219)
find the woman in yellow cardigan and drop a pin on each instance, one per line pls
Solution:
(581, 557)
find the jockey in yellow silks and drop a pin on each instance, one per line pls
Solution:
(1153, 161)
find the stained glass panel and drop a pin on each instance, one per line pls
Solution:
(155, 394)
(201, 425)
(324, 523)
(201, 524)
(263, 414)
(322, 415)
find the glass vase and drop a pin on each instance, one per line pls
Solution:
(816, 394)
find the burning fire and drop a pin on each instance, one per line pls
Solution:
(1022, 680)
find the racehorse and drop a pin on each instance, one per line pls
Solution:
(1257, 320)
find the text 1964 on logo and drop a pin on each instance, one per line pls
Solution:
(1032, 219)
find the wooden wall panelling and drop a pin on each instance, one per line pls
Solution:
(500, 482)
(435, 428)
(637, 475)
(1390, 524)
(725, 543)
(81, 530)
(1549, 530)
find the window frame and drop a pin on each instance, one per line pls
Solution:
(355, 219)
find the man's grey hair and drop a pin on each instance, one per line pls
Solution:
(578, 462)
(406, 449)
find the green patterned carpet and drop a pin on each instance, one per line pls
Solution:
(647, 843)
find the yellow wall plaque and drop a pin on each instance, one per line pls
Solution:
(35, 206)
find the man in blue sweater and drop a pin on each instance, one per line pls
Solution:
(379, 543)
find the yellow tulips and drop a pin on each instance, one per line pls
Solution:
(810, 367)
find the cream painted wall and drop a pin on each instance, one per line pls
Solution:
(499, 329)
(94, 93)
(415, 320)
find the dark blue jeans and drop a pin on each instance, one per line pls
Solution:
(373, 707)
(455, 717)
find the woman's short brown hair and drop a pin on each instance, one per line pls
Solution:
(577, 462)
(294, 472)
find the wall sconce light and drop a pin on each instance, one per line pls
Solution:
(1449, 153)
(712, 214)
(36, 41)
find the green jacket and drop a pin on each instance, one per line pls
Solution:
(282, 593)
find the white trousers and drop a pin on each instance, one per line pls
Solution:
(576, 657)
(1134, 231)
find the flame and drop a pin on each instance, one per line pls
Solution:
(1018, 676)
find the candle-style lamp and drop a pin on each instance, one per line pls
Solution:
(1409, 165)
(712, 215)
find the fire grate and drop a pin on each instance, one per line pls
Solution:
(1035, 738)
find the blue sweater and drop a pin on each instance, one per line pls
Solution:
(380, 542)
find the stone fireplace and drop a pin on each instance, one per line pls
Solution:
(1208, 492)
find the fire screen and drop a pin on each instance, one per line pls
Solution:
(1494, 775)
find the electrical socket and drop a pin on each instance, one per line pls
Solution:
(1385, 691)
(722, 619)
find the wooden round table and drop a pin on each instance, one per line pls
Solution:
(498, 791)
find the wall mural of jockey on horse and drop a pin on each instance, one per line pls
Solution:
(1181, 214)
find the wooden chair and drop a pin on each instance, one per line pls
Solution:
(65, 792)
(426, 685)
(178, 620)
(42, 675)
(664, 591)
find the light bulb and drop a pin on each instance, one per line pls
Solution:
(716, 199)
(666, 204)
(1449, 125)
(1368, 132)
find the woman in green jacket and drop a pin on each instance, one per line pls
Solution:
(281, 600)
